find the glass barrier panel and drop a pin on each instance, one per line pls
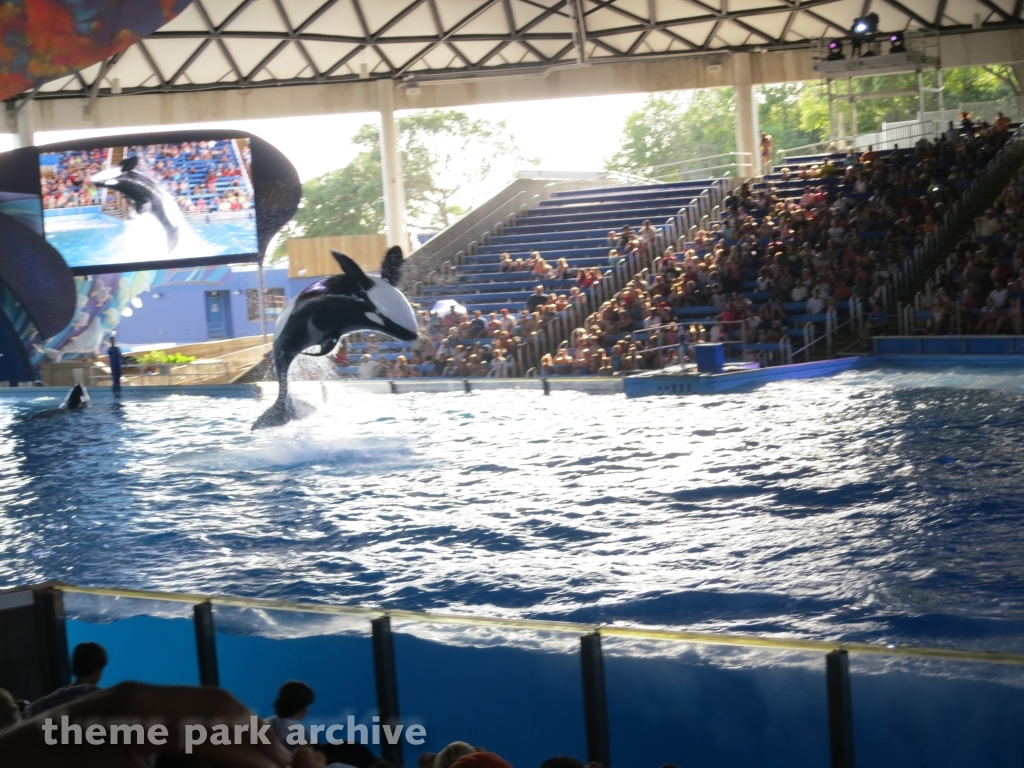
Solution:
(258, 650)
(150, 641)
(935, 713)
(516, 693)
(683, 704)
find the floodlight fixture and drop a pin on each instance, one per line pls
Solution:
(865, 26)
(897, 44)
(835, 50)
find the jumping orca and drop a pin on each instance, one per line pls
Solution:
(146, 194)
(327, 310)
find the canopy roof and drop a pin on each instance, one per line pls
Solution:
(233, 44)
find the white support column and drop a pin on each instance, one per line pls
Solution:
(747, 136)
(853, 107)
(831, 110)
(24, 135)
(391, 166)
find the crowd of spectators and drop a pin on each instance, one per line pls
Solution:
(460, 344)
(202, 176)
(983, 289)
(798, 246)
(829, 243)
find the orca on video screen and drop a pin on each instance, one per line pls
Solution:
(118, 205)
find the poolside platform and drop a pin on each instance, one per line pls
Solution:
(987, 351)
(686, 382)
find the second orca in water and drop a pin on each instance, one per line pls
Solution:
(328, 309)
(146, 195)
(77, 398)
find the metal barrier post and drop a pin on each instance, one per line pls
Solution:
(386, 675)
(206, 644)
(53, 638)
(840, 709)
(595, 703)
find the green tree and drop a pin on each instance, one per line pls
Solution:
(788, 113)
(991, 83)
(812, 108)
(445, 156)
(960, 86)
(672, 127)
(348, 201)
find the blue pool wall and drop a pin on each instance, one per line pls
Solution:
(179, 315)
(684, 704)
(955, 347)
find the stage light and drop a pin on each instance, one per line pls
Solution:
(896, 43)
(835, 50)
(865, 25)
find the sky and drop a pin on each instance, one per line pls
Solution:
(564, 134)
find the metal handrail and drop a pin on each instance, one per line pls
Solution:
(619, 275)
(683, 171)
(699, 638)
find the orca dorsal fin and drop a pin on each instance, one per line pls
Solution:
(352, 269)
(129, 163)
(391, 267)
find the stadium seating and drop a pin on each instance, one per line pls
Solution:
(570, 225)
(979, 288)
(884, 242)
(902, 186)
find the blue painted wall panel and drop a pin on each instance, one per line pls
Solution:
(896, 346)
(179, 315)
(943, 345)
(987, 345)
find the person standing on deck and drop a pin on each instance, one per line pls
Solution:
(116, 361)
(766, 153)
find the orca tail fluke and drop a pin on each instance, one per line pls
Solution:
(276, 415)
(284, 410)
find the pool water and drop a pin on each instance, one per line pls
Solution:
(877, 505)
(91, 240)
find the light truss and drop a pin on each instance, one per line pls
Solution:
(234, 44)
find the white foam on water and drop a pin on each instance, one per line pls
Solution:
(1009, 379)
(296, 445)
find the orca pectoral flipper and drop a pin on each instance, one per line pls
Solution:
(323, 349)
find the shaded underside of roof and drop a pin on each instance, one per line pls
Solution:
(232, 44)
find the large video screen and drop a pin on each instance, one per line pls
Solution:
(128, 204)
